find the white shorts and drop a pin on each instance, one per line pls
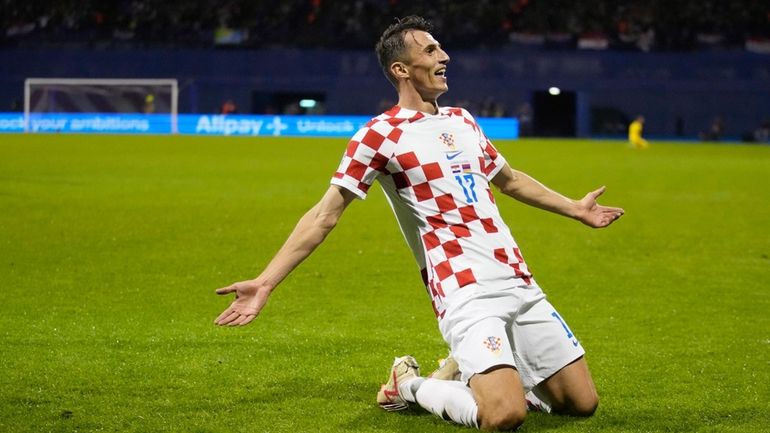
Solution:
(516, 327)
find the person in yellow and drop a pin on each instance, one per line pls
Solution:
(635, 134)
(149, 104)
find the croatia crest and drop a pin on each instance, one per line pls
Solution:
(448, 140)
(494, 344)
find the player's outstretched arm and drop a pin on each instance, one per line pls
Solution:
(528, 190)
(311, 230)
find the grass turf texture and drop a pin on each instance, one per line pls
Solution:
(112, 247)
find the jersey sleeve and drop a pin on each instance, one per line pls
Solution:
(365, 158)
(492, 161)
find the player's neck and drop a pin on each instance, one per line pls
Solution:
(413, 101)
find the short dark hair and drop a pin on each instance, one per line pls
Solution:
(391, 47)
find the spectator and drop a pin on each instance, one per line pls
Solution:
(316, 23)
(524, 114)
(715, 131)
(762, 133)
(228, 107)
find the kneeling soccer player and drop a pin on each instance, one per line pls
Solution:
(436, 165)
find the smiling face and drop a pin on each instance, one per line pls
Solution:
(424, 69)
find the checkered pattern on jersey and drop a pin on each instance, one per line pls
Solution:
(451, 221)
(488, 164)
(435, 293)
(447, 222)
(371, 148)
(515, 261)
(455, 222)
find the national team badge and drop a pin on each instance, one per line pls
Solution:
(494, 344)
(448, 140)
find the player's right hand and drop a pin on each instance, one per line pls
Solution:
(250, 297)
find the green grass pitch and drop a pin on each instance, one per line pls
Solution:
(111, 248)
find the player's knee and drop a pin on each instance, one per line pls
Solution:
(584, 407)
(502, 419)
(587, 407)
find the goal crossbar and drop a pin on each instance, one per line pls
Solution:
(171, 82)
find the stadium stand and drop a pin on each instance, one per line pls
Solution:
(656, 25)
(681, 64)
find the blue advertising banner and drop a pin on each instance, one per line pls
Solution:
(11, 122)
(204, 124)
(314, 126)
(104, 123)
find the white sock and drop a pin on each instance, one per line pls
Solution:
(535, 404)
(409, 388)
(449, 399)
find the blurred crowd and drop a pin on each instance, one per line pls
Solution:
(646, 25)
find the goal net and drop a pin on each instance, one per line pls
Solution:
(100, 105)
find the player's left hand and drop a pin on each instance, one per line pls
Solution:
(593, 214)
(250, 297)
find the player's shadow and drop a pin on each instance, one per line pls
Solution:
(363, 414)
(370, 417)
(543, 422)
(419, 420)
(606, 420)
(422, 420)
(618, 419)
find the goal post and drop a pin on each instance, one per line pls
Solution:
(91, 104)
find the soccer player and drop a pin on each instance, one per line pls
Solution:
(635, 134)
(435, 165)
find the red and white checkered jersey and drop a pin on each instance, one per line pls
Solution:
(435, 171)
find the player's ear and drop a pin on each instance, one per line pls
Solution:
(399, 70)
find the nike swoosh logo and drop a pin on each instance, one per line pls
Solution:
(451, 156)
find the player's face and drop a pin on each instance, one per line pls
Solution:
(426, 64)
